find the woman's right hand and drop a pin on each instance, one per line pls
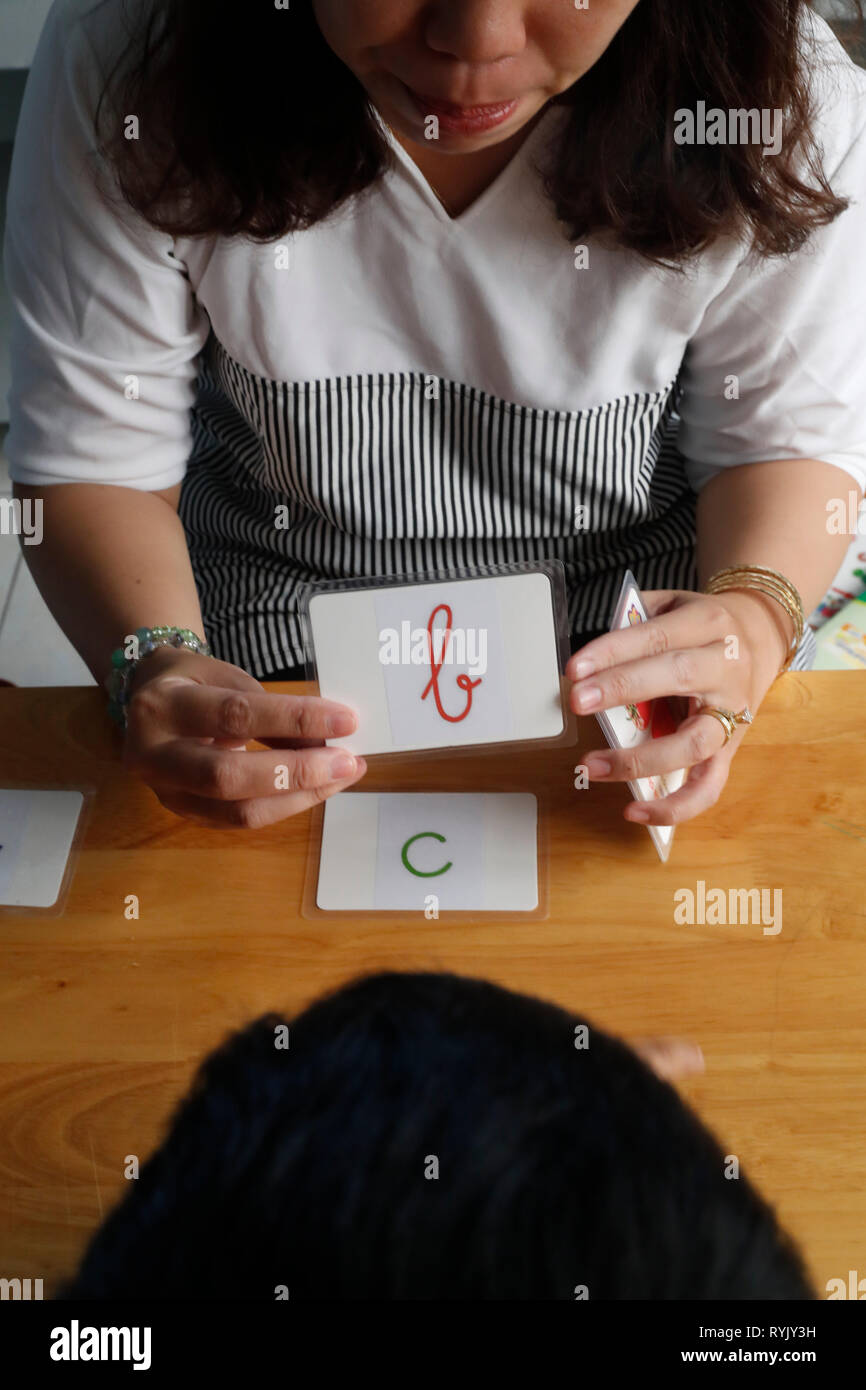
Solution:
(189, 718)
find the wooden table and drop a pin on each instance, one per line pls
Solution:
(102, 1020)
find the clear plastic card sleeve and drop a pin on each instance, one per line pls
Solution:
(42, 831)
(629, 726)
(397, 649)
(349, 878)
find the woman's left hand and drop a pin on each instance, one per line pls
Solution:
(723, 650)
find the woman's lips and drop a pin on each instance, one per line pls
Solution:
(464, 119)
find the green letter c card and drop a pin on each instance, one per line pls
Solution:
(391, 851)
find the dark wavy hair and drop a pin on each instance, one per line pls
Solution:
(232, 140)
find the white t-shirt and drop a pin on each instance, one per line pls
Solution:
(416, 392)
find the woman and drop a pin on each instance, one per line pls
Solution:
(462, 282)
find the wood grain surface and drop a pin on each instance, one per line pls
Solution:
(103, 1020)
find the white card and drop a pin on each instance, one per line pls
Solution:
(37, 829)
(413, 851)
(629, 726)
(442, 664)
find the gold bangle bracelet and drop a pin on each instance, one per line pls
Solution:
(774, 585)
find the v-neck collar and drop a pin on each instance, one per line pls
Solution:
(542, 130)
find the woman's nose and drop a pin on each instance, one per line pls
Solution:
(476, 31)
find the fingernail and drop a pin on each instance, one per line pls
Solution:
(588, 699)
(344, 765)
(585, 667)
(638, 814)
(341, 724)
(598, 767)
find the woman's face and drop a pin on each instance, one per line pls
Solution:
(483, 68)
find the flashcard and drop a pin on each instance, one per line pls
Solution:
(37, 829)
(429, 852)
(628, 726)
(441, 664)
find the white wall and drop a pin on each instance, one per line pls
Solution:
(835, 9)
(20, 26)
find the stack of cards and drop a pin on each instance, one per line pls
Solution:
(629, 726)
(452, 663)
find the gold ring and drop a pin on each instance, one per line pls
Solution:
(728, 719)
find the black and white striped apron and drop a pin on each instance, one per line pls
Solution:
(399, 473)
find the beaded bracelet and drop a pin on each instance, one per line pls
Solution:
(144, 641)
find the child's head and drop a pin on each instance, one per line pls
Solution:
(428, 1136)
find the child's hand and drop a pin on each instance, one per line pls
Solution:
(670, 1058)
(189, 720)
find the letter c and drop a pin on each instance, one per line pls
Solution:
(422, 873)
